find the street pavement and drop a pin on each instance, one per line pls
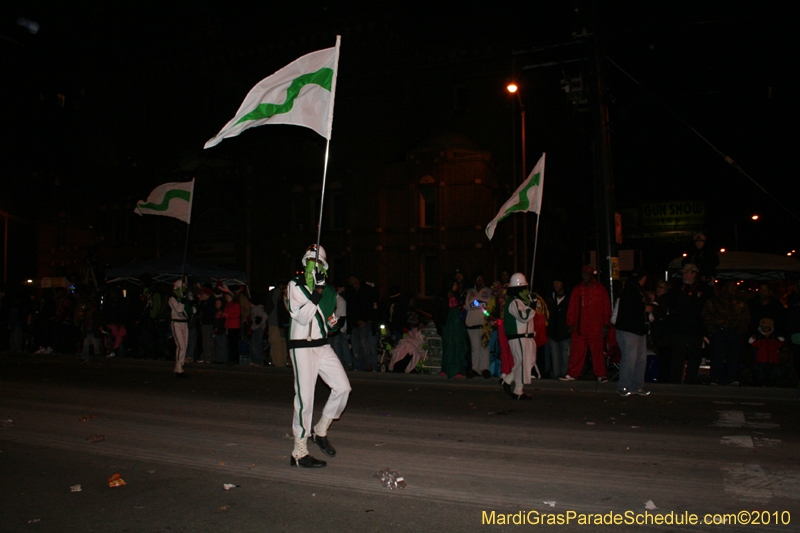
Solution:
(468, 453)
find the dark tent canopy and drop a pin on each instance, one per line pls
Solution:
(752, 266)
(168, 269)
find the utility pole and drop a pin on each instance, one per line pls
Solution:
(6, 217)
(607, 255)
(604, 205)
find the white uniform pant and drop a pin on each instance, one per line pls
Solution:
(480, 354)
(524, 352)
(308, 363)
(180, 332)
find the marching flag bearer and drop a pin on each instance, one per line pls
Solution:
(181, 311)
(518, 319)
(311, 306)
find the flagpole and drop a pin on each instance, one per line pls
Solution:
(538, 217)
(188, 226)
(322, 200)
(535, 243)
(327, 147)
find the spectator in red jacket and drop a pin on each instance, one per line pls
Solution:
(233, 323)
(768, 347)
(588, 318)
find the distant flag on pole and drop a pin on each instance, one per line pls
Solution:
(527, 198)
(301, 93)
(171, 200)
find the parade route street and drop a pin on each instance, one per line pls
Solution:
(464, 448)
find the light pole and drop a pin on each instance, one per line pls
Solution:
(514, 89)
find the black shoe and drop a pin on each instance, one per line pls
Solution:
(180, 374)
(522, 396)
(486, 374)
(507, 388)
(472, 374)
(307, 462)
(324, 445)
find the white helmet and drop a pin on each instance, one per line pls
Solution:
(311, 253)
(179, 288)
(518, 280)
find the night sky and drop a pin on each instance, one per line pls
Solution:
(145, 88)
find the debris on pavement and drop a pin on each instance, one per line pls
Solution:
(91, 439)
(229, 486)
(650, 506)
(75, 488)
(88, 418)
(7, 423)
(115, 481)
(390, 479)
(380, 443)
(223, 509)
(551, 503)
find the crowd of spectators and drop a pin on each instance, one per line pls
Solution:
(661, 331)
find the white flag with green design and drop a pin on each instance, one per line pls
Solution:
(301, 93)
(528, 198)
(171, 200)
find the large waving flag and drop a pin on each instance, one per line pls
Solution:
(527, 198)
(171, 200)
(301, 93)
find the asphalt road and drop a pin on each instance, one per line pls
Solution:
(463, 447)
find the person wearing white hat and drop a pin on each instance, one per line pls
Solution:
(180, 314)
(312, 306)
(518, 320)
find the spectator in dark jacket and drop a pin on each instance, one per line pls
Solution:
(727, 319)
(765, 305)
(558, 334)
(661, 330)
(685, 304)
(207, 313)
(362, 305)
(793, 325)
(632, 327)
(704, 258)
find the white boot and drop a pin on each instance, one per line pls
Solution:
(301, 457)
(300, 448)
(321, 429)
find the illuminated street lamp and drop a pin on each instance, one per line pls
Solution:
(753, 217)
(514, 89)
